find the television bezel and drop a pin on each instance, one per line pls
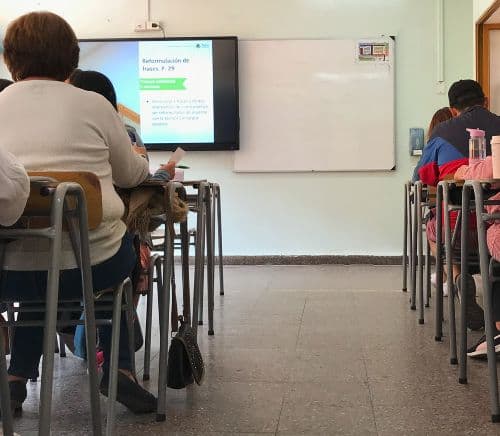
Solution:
(191, 146)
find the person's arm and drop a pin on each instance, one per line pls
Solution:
(165, 173)
(482, 170)
(427, 169)
(15, 189)
(129, 168)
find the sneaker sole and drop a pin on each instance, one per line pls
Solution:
(483, 354)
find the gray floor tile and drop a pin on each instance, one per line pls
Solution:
(341, 407)
(306, 350)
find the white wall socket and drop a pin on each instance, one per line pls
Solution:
(146, 26)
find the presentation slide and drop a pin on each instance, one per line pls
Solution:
(176, 91)
(165, 89)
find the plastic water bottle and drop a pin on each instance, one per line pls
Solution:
(477, 146)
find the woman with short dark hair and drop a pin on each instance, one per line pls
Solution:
(53, 126)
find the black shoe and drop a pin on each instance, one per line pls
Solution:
(473, 353)
(131, 394)
(18, 394)
(475, 314)
(138, 336)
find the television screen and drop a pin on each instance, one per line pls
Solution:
(175, 91)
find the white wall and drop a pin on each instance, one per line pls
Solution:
(333, 213)
(480, 7)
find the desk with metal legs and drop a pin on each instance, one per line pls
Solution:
(480, 190)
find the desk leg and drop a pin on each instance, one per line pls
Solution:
(199, 260)
(464, 268)
(488, 304)
(185, 270)
(413, 217)
(164, 312)
(449, 272)
(210, 259)
(405, 240)
(219, 232)
(427, 272)
(439, 266)
(420, 276)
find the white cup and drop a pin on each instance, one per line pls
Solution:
(495, 156)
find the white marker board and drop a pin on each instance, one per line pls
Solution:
(315, 105)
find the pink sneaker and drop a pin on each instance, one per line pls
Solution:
(100, 359)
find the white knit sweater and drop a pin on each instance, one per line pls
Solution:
(14, 188)
(53, 126)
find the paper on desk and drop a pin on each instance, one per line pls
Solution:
(177, 155)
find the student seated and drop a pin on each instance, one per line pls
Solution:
(14, 181)
(446, 151)
(53, 126)
(484, 170)
(15, 188)
(439, 116)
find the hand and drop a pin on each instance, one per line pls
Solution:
(169, 168)
(139, 150)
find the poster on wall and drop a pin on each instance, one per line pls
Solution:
(373, 51)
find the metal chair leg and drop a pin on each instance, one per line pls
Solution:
(153, 266)
(405, 240)
(164, 312)
(464, 247)
(414, 252)
(438, 311)
(427, 273)
(219, 232)
(7, 424)
(420, 276)
(130, 315)
(210, 259)
(49, 335)
(113, 365)
(449, 273)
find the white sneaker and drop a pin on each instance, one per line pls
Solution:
(434, 283)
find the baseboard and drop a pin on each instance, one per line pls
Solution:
(308, 260)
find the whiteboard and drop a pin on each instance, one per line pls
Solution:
(313, 105)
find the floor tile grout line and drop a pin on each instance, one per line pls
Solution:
(370, 393)
(281, 411)
(300, 323)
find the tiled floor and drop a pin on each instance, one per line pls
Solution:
(315, 350)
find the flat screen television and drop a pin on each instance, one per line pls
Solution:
(175, 91)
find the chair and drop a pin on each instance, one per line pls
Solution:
(58, 202)
(422, 199)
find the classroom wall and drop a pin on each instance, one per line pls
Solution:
(331, 213)
(480, 7)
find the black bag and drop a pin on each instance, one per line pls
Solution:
(185, 363)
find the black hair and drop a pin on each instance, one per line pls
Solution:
(465, 93)
(96, 82)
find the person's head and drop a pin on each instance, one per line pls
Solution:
(4, 83)
(441, 115)
(42, 45)
(464, 94)
(94, 81)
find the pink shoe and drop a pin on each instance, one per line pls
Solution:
(100, 359)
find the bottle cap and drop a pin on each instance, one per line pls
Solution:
(476, 133)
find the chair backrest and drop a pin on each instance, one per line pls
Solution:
(38, 206)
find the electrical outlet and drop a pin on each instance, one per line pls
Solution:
(147, 26)
(141, 26)
(153, 25)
